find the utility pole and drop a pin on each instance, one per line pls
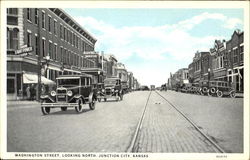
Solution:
(39, 67)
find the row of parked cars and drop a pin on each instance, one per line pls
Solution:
(210, 88)
(73, 91)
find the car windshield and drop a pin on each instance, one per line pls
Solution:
(68, 82)
(110, 82)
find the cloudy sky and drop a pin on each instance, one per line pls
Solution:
(154, 42)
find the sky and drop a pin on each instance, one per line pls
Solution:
(152, 42)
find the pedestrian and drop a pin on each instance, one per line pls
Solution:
(32, 91)
(28, 92)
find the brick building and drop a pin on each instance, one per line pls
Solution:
(218, 55)
(235, 69)
(48, 34)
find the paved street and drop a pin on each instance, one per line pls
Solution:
(220, 118)
(108, 128)
(111, 126)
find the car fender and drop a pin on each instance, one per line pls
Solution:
(46, 97)
(91, 97)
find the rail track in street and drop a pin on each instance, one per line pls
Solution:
(134, 142)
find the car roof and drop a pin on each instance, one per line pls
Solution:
(74, 76)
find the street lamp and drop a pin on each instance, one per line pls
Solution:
(208, 77)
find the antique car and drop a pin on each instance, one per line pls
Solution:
(204, 87)
(72, 91)
(112, 88)
(220, 88)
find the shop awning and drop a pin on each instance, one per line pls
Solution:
(29, 78)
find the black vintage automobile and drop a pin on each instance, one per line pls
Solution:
(221, 88)
(112, 88)
(72, 91)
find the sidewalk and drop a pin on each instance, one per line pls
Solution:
(21, 103)
(239, 95)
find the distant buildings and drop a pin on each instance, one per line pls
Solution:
(224, 62)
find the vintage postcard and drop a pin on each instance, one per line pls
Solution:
(125, 80)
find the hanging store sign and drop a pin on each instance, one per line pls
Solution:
(24, 51)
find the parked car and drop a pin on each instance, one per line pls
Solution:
(72, 91)
(112, 88)
(220, 88)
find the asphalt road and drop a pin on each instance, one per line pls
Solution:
(111, 126)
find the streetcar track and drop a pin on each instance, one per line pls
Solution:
(193, 124)
(133, 144)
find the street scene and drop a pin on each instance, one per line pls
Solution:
(83, 80)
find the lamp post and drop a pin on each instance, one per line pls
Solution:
(208, 76)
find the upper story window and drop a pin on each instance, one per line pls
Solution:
(36, 16)
(65, 34)
(55, 27)
(50, 50)
(235, 55)
(241, 52)
(37, 44)
(28, 39)
(29, 14)
(12, 38)
(43, 47)
(55, 52)
(43, 20)
(49, 24)
(12, 11)
(61, 31)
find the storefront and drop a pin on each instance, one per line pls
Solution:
(236, 77)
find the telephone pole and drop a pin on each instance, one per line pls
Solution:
(39, 67)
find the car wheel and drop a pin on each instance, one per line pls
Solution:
(99, 99)
(92, 105)
(219, 93)
(232, 94)
(64, 108)
(105, 99)
(79, 107)
(209, 93)
(45, 110)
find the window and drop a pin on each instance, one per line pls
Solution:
(65, 34)
(73, 39)
(68, 33)
(55, 27)
(55, 52)
(235, 56)
(241, 53)
(61, 31)
(37, 44)
(43, 47)
(15, 38)
(61, 54)
(12, 11)
(43, 20)
(36, 16)
(49, 24)
(12, 38)
(29, 14)
(50, 50)
(76, 42)
(28, 39)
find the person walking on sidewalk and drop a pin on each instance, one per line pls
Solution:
(28, 92)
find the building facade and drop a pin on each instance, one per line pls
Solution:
(218, 55)
(53, 43)
(235, 54)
